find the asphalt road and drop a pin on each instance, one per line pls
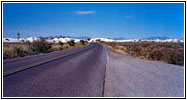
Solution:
(24, 61)
(79, 74)
(92, 71)
(127, 76)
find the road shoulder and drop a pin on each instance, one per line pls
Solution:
(127, 76)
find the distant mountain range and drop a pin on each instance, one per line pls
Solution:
(75, 37)
(157, 38)
(120, 38)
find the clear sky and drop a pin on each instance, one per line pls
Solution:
(108, 20)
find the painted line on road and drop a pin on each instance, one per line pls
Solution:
(39, 63)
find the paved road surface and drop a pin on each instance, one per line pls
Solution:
(17, 62)
(81, 74)
(127, 76)
(93, 71)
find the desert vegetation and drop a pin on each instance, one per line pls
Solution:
(172, 53)
(21, 49)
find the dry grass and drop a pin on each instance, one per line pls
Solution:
(14, 50)
(10, 46)
(172, 53)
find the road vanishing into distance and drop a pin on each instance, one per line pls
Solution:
(91, 71)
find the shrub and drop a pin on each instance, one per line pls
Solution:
(98, 40)
(18, 52)
(170, 60)
(7, 55)
(7, 39)
(88, 39)
(61, 43)
(85, 42)
(41, 46)
(71, 43)
(14, 52)
(56, 47)
(82, 42)
(156, 55)
(179, 58)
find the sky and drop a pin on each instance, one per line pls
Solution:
(106, 20)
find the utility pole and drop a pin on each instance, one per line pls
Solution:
(18, 35)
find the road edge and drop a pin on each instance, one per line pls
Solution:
(104, 73)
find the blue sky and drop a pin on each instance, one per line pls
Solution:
(108, 20)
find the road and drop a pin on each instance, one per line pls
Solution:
(91, 71)
(76, 75)
(24, 61)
